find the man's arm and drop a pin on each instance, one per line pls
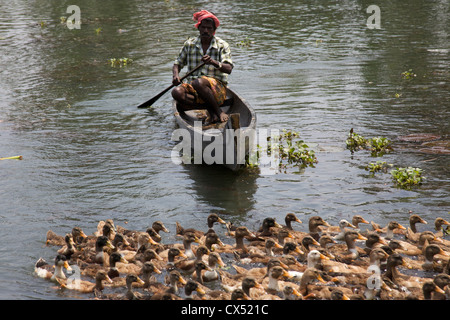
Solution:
(176, 74)
(222, 67)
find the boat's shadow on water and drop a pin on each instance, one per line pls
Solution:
(227, 192)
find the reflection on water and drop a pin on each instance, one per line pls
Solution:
(309, 66)
(231, 194)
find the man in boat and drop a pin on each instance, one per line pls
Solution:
(207, 87)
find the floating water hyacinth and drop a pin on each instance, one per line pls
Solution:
(378, 166)
(120, 62)
(292, 151)
(355, 141)
(408, 74)
(406, 178)
(378, 145)
(245, 42)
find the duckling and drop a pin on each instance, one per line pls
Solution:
(156, 237)
(425, 238)
(211, 220)
(113, 271)
(315, 258)
(411, 232)
(339, 230)
(442, 280)
(158, 226)
(398, 280)
(147, 255)
(389, 229)
(107, 226)
(47, 271)
(438, 225)
(212, 239)
(172, 254)
(308, 243)
(143, 239)
(98, 256)
(291, 217)
(192, 287)
(351, 252)
(262, 272)
(239, 294)
(131, 294)
(308, 277)
(214, 262)
(429, 288)
(173, 279)
(69, 249)
(54, 239)
(292, 248)
(265, 229)
(337, 294)
(121, 241)
(314, 223)
(187, 266)
(430, 263)
(373, 241)
(282, 235)
(147, 270)
(259, 256)
(188, 239)
(274, 288)
(291, 293)
(324, 241)
(376, 256)
(246, 284)
(356, 220)
(199, 267)
(84, 286)
(239, 234)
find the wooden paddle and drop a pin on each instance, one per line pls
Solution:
(159, 95)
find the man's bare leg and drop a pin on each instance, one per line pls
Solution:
(203, 88)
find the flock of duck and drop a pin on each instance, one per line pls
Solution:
(275, 262)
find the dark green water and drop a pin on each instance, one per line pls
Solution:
(312, 66)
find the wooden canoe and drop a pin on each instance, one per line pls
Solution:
(236, 136)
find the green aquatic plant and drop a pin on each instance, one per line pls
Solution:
(290, 150)
(120, 62)
(355, 141)
(408, 74)
(406, 178)
(378, 166)
(98, 30)
(246, 42)
(378, 145)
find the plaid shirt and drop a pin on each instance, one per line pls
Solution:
(192, 53)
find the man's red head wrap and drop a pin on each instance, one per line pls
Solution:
(199, 16)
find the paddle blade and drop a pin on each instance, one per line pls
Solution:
(155, 98)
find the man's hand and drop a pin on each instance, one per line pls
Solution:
(176, 80)
(208, 60)
(176, 75)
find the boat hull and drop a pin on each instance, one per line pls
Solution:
(227, 144)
